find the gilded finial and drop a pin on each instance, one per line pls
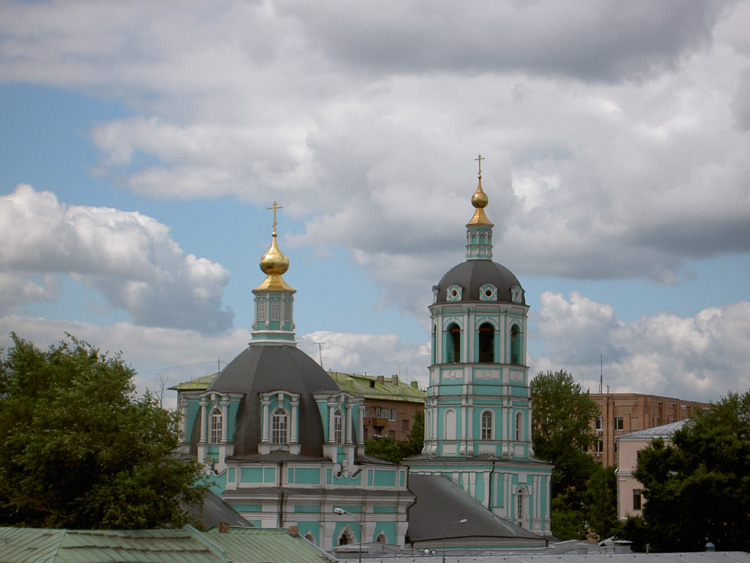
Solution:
(480, 200)
(274, 263)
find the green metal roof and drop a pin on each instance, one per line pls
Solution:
(258, 545)
(199, 384)
(391, 389)
(186, 545)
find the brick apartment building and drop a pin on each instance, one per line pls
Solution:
(390, 404)
(623, 413)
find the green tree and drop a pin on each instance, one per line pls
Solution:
(698, 489)
(80, 450)
(600, 500)
(388, 449)
(562, 436)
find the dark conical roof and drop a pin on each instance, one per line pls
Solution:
(473, 274)
(271, 367)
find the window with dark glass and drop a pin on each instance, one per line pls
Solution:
(515, 346)
(454, 344)
(486, 343)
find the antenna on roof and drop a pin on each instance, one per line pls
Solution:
(601, 372)
(320, 352)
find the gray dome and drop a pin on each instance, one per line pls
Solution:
(268, 367)
(473, 274)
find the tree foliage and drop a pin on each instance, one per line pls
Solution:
(388, 449)
(562, 436)
(561, 429)
(80, 450)
(698, 488)
(600, 500)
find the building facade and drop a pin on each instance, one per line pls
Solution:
(282, 443)
(629, 498)
(623, 413)
(390, 404)
(478, 405)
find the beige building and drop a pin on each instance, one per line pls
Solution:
(629, 499)
(624, 413)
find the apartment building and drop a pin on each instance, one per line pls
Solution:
(389, 404)
(624, 413)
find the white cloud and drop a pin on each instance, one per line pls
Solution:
(380, 354)
(615, 136)
(699, 358)
(127, 257)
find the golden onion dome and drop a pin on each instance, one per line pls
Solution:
(480, 200)
(274, 261)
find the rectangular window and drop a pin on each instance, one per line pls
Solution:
(275, 310)
(637, 499)
(599, 424)
(405, 425)
(599, 447)
(392, 415)
(619, 423)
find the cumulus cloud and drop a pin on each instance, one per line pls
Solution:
(698, 358)
(127, 257)
(382, 354)
(614, 134)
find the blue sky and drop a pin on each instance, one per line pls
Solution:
(143, 143)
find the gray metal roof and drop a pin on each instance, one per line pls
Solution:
(665, 431)
(187, 545)
(472, 274)
(270, 367)
(215, 511)
(440, 503)
(543, 556)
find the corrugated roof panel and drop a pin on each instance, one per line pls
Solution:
(267, 545)
(29, 545)
(136, 546)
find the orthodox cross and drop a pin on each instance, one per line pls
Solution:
(480, 158)
(275, 206)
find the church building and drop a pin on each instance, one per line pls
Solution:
(282, 444)
(478, 405)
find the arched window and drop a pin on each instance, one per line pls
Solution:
(261, 309)
(381, 538)
(279, 427)
(486, 430)
(515, 346)
(486, 343)
(338, 427)
(519, 426)
(434, 344)
(347, 537)
(449, 428)
(309, 537)
(216, 421)
(453, 344)
(520, 506)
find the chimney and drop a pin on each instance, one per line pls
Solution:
(294, 531)
(394, 379)
(381, 379)
(224, 527)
